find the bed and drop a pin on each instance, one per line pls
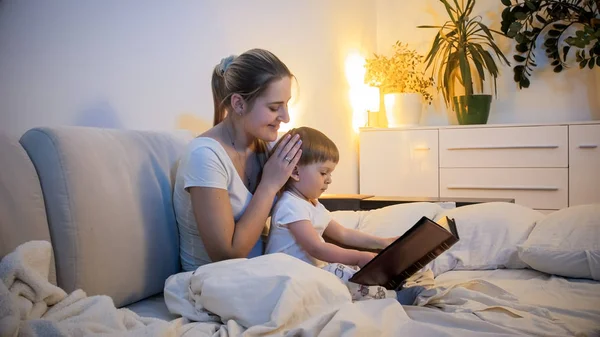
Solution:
(515, 271)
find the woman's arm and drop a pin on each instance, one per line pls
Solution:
(311, 242)
(222, 237)
(354, 238)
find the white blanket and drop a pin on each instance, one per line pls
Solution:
(272, 295)
(32, 306)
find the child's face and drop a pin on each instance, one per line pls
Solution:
(313, 179)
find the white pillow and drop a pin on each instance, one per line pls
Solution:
(394, 220)
(566, 243)
(488, 237)
(348, 219)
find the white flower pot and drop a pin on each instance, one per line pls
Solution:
(403, 109)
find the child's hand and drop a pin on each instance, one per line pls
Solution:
(389, 241)
(364, 258)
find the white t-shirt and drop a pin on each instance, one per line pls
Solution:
(205, 164)
(291, 208)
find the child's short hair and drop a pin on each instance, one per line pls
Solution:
(316, 147)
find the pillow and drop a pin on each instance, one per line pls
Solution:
(566, 243)
(348, 219)
(488, 237)
(394, 220)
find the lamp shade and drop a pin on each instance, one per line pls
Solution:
(371, 98)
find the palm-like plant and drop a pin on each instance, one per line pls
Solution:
(463, 42)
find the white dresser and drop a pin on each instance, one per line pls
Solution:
(546, 167)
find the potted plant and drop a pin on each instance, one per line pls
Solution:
(461, 53)
(402, 82)
(561, 25)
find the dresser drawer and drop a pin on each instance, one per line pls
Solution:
(399, 163)
(535, 146)
(584, 164)
(539, 188)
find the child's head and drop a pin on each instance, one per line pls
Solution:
(319, 158)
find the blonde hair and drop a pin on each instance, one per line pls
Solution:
(248, 75)
(316, 146)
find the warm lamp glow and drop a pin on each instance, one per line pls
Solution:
(372, 98)
(363, 98)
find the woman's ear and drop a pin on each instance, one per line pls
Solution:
(295, 174)
(238, 104)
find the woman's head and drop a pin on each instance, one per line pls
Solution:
(255, 87)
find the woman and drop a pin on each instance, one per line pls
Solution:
(225, 184)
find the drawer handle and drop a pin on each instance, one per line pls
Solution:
(588, 146)
(421, 148)
(517, 188)
(492, 147)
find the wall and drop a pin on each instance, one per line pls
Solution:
(146, 65)
(136, 65)
(568, 96)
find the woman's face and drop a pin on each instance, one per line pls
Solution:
(269, 110)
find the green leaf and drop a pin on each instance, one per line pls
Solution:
(520, 38)
(555, 63)
(506, 2)
(531, 5)
(598, 61)
(519, 58)
(522, 47)
(558, 68)
(566, 52)
(550, 42)
(591, 63)
(478, 61)
(520, 15)
(560, 26)
(583, 63)
(554, 33)
(540, 19)
(465, 72)
(506, 14)
(524, 82)
(516, 26)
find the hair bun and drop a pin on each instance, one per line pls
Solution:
(225, 62)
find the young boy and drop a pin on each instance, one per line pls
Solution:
(299, 221)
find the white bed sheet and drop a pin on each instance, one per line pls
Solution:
(576, 302)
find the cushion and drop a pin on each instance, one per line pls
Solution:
(108, 199)
(566, 243)
(394, 220)
(489, 234)
(348, 219)
(22, 212)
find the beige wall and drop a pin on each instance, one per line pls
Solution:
(129, 64)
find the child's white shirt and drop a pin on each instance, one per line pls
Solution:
(291, 208)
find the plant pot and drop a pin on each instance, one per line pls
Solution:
(472, 109)
(403, 109)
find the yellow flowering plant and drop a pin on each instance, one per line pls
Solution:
(400, 73)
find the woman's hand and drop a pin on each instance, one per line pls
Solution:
(364, 258)
(279, 167)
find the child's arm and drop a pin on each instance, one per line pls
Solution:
(354, 238)
(311, 242)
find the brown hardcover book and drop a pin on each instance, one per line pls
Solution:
(421, 244)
